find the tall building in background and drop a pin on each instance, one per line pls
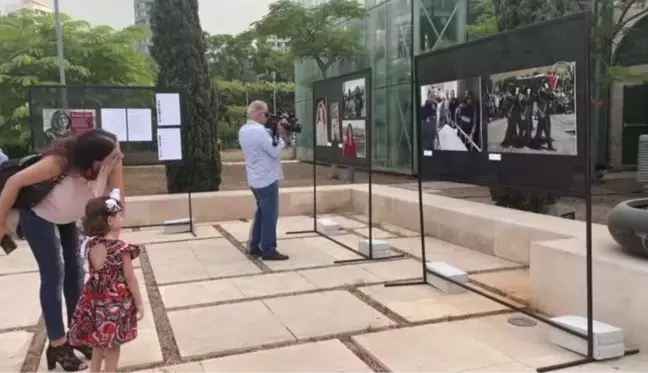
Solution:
(35, 5)
(280, 45)
(143, 17)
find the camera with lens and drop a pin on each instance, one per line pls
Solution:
(287, 120)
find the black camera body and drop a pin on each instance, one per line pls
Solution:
(288, 121)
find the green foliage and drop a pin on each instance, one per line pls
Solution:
(232, 97)
(93, 56)
(180, 52)
(486, 22)
(247, 57)
(315, 32)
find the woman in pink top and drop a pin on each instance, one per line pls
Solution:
(92, 165)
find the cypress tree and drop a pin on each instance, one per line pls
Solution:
(179, 50)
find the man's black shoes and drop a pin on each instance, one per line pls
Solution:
(255, 252)
(274, 256)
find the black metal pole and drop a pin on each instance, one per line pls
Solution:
(191, 221)
(588, 203)
(314, 132)
(370, 156)
(419, 172)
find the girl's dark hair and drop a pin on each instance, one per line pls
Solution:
(82, 151)
(95, 221)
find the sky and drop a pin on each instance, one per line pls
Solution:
(216, 16)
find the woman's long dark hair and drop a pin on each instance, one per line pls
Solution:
(82, 151)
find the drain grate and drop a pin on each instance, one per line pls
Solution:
(521, 321)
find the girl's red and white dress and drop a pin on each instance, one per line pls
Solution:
(106, 314)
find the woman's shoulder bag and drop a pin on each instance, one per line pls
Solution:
(30, 195)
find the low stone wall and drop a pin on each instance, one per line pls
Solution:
(231, 205)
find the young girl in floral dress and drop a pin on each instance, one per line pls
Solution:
(111, 304)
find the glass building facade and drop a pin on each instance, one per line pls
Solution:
(392, 34)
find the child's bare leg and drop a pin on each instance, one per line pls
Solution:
(97, 359)
(112, 359)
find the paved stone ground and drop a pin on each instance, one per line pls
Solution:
(211, 308)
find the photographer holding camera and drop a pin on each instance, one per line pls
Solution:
(262, 153)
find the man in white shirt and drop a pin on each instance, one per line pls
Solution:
(263, 170)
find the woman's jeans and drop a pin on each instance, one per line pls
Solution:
(59, 266)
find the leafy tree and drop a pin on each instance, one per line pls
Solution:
(247, 57)
(93, 56)
(180, 52)
(315, 32)
(486, 21)
(232, 98)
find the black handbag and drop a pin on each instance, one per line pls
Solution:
(30, 195)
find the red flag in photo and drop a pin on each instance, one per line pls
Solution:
(81, 121)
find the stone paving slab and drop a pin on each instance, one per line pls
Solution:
(352, 274)
(485, 344)
(240, 230)
(145, 349)
(388, 227)
(425, 303)
(197, 260)
(326, 313)
(345, 222)
(20, 300)
(325, 356)
(206, 292)
(232, 327)
(157, 235)
(376, 233)
(395, 270)
(514, 282)
(352, 241)
(13, 349)
(309, 252)
(20, 260)
(440, 251)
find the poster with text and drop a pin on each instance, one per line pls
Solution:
(62, 122)
(321, 123)
(355, 99)
(533, 110)
(450, 115)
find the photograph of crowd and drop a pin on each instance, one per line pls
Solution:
(450, 115)
(355, 133)
(355, 99)
(321, 123)
(334, 111)
(533, 110)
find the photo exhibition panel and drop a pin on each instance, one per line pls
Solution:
(343, 119)
(518, 118)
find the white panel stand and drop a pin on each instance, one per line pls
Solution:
(381, 248)
(608, 340)
(328, 226)
(446, 270)
(178, 226)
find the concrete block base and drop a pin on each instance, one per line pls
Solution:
(446, 270)
(608, 340)
(328, 226)
(178, 226)
(381, 248)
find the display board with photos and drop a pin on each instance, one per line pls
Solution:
(343, 119)
(146, 121)
(517, 118)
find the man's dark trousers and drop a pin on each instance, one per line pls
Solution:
(264, 228)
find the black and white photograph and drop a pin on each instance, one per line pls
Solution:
(355, 99)
(335, 122)
(321, 123)
(450, 115)
(355, 138)
(533, 110)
